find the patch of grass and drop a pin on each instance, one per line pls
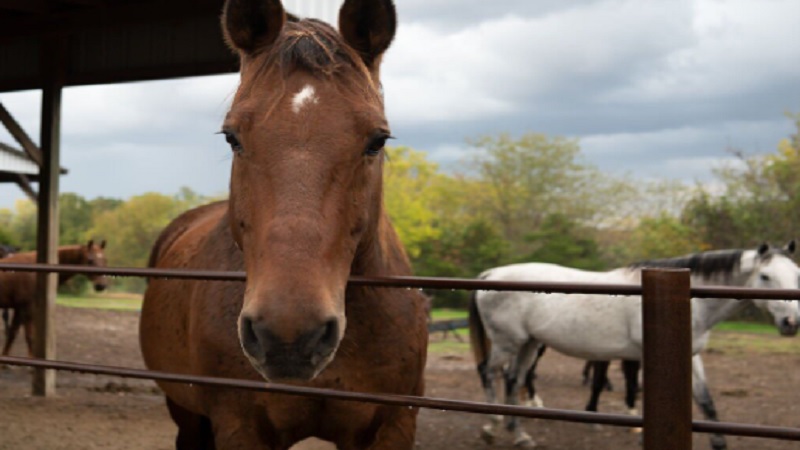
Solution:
(736, 343)
(120, 302)
(747, 327)
(448, 314)
(449, 345)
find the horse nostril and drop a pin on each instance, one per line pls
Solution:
(331, 335)
(248, 336)
(325, 338)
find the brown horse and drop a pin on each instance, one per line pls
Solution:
(5, 251)
(307, 131)
(17, 289)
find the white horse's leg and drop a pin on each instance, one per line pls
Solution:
(703, 399)
(533, 400)
(525, 359)
(631, 370)
(488, 372)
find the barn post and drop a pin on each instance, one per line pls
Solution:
(53, 67)
(667, 333)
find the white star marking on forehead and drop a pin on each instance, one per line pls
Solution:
(305, 96)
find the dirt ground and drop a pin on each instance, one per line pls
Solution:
(98, 412)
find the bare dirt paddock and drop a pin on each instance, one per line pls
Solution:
(98, 412)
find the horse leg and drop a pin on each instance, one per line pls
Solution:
(598, 383)
(587, 373)
(12, 331)
(27, 322)
(527, 356)
(5, 320)
(533, 399)
(488, 371)
(630, 369)
(703, 399)
(194, 430)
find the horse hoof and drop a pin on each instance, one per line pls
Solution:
(636, 430)
(487, 434)
(524, 441)
(535, 402)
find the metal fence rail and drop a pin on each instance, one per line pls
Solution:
(619, 420)
(417, 282)
(667, 422)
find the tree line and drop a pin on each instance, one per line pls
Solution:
(531, 198)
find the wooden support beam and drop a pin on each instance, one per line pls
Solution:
(24, 183)
(84, 2)
(118, 13)
(20, 135)
(54, 60)
(667, 362)
(26, 6)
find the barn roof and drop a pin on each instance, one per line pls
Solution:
(110, 41)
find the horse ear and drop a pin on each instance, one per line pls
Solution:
(103, 244)
(763, 249)
(369, 27)
(90, 243)
(250, 25)
(790, 247)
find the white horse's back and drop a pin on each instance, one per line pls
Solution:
(581, 325)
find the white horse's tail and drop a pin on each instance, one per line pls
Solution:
(478, 340)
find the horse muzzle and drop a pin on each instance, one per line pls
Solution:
(788, 327)
(299, 359)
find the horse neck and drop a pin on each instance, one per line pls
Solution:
(711, 311)
(73, 255)
(380, 252)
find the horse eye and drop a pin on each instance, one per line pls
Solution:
(376, 145)
(231, 139)
(764, 277)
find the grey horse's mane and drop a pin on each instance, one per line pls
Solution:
(711, 263)
(705, 264)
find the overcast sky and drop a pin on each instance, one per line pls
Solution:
(655, 88)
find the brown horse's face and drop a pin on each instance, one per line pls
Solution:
(306, 181)
(94, 255)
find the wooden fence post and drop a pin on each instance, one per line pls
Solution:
(667, 362)
(44, 304)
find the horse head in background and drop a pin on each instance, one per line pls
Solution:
(775, 269)
(306, 129)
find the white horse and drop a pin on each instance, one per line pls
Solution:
(604, 328)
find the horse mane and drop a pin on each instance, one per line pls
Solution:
(706, 264)
(312, 46)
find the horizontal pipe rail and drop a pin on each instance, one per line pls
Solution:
(420, 282)
(620, 420)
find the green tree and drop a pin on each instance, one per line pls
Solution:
(75, 218)
(562, 241)
(23, 225)
(407, 196)
(132, 228)
(525, 181)
(759, 199)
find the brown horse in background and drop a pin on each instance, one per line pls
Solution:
(307, 130)
(5, 251)
(17, 289)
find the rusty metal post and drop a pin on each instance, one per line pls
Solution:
(666, 323)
